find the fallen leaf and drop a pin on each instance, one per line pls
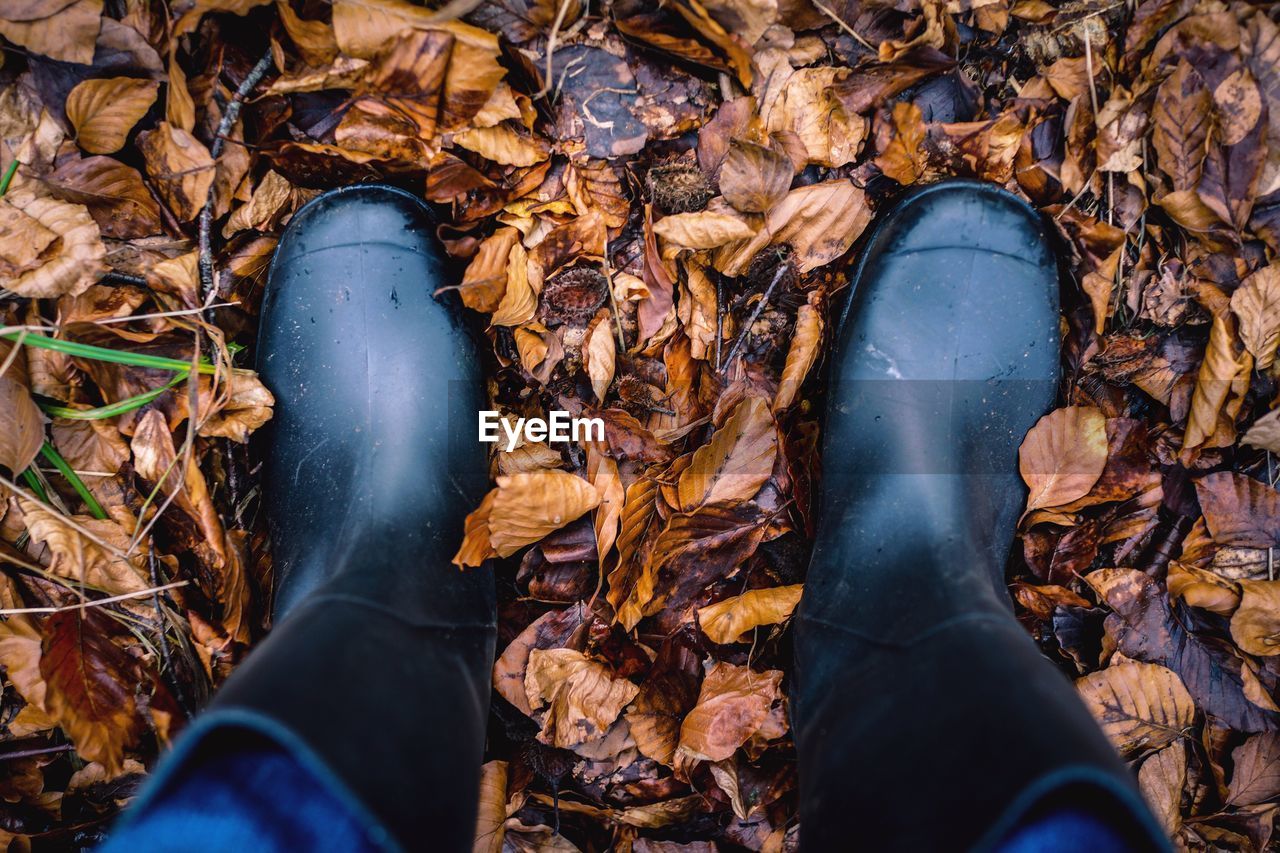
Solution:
(1256, 304)
(21, 422)
(113, 193)
(735, 702)
(1138, 705)
(806, 342)
(48, 247)
(735, 462)
(1256, 777)
(1255, 626)
(582, 697)
(90, 686)
(180, 168)
(104, 110)
(1161, 779)
(526, 507)
(754, 178)
(1240, 510)
(728, 620)
(1063, 456)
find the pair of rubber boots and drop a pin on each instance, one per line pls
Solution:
(924, 716)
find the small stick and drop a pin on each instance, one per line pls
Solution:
(746, 328)
(229, 117)
(826, 10)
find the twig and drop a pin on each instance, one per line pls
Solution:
(32, 753)
(166, 656)
(824, 9)
(229, 116)
(96, 602)
(551, 46)
(746, 328)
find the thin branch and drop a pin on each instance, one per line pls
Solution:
(746, 327)
(826, 10)
(551, 46)
(229, 116)
(96, 602)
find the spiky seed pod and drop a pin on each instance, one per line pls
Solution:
(573, 296)
(679, 187)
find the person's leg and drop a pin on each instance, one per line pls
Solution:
(375, 679)
(925, 717)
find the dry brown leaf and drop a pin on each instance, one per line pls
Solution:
(728, 620)
(180, 168)
(1256, 777)
(819, 222)
(1223, 378)
(1256, 624)
(1161, 780)
(598, 356)
(734, 464)
(272, 200)
(503, 145)
(1256, 304)
(583, 696)
(96, 561)
(492, 812)
(21, 423)
(734, 704)
(1183, 117)
(806, 342)
(114, 194)
(520, 297)
(705, 229)
(104, 110)
(521, 510)
(1138, 705)
(1265, 432)
(904, 158)
(1204, 589)
(1063, 455)
(48, 247)
(754, 178)
(803, 101)
(1240, 510)
(67, 33)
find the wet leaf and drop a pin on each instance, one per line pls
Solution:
(734, 704)
(21, 423)
(582, 697)
(180, 168)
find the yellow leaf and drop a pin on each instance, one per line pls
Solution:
(521, 510)
(104, 110)
(726, 621)
(734, 464)
(520, 299)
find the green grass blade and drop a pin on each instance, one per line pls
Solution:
(33, 483)
(95, 508)
(114, 356)
(8, 176)
(110, 411)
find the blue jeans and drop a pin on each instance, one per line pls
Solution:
(258, 798)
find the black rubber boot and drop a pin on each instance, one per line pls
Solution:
(376, 674)
(925, 717)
